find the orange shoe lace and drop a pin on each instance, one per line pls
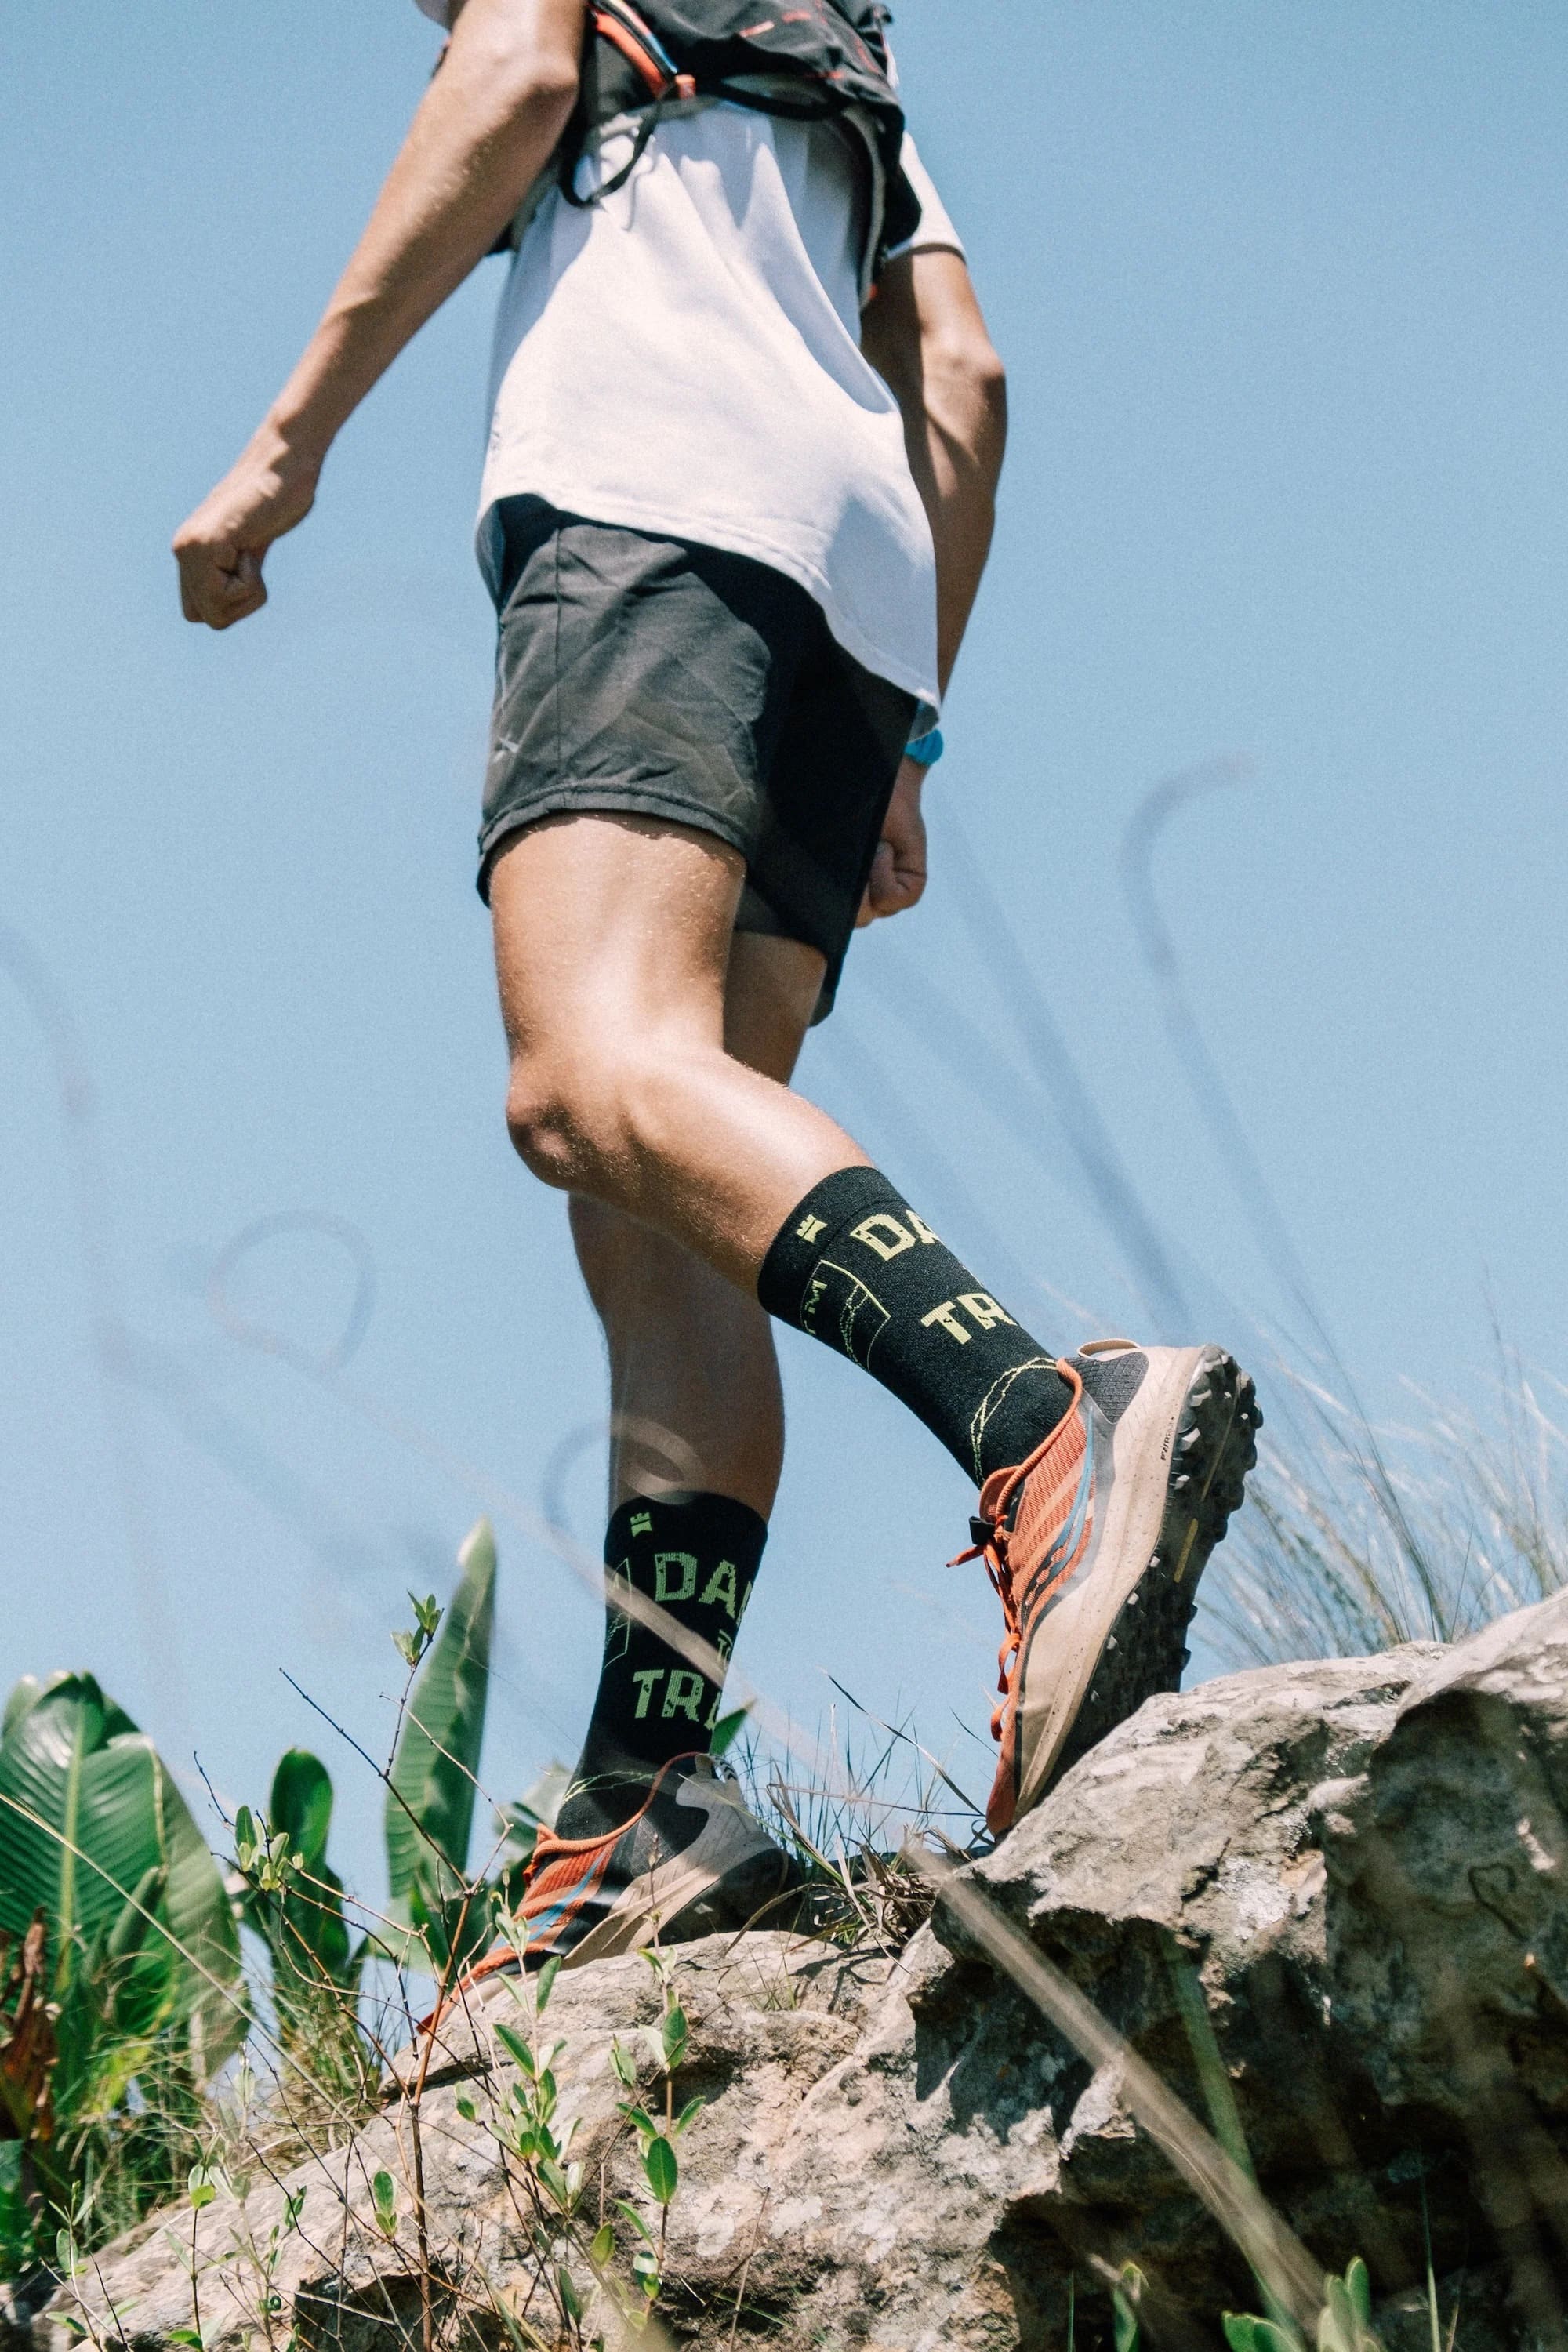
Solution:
(996, 1497)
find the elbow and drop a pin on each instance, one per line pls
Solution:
(525, 78)
(973, 362)
(965, 392)
(543, 93)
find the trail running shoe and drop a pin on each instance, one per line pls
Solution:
(1094, 1545)
(691, 1862)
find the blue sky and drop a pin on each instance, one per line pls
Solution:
(1282, 297)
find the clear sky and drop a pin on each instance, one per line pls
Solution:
(1281, 293)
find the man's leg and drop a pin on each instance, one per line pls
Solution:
(613, 944)
(696, 1433)
(1106, 1481)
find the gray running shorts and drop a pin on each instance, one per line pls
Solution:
(654, 677)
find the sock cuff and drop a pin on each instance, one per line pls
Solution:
(716, 1522)
(793, 1252)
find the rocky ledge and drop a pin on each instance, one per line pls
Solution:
(1360, 1863)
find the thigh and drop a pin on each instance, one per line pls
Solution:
(771, 994)
(609, 923)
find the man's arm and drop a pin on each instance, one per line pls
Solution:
(926, 338)
(484, 130)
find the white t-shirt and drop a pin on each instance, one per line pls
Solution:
(684, 358)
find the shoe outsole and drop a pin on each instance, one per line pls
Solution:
(1215, 1446)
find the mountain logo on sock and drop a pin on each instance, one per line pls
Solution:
(837, 1295)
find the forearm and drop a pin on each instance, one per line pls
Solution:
(484, 130)
(927, 338)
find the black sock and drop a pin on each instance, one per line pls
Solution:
(697, 1556)
(855, 1268)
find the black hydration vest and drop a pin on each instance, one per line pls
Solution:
(810, 61)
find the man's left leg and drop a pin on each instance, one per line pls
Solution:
(696, 1435)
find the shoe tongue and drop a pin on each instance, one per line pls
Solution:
(1110, 1382)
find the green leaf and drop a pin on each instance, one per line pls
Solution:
(1358, 2286)
(438, 1750)
(687, 2115)
(516, 2048)
(602, 2247)
(186, 2335)
(727, 1730)
(27, 1694)
(199, 2183)
(623, 2064)
(383, 2196)
(467, 2108)
(545, 1985)
(87, 1811)
(675, 2034)
(17, 2242)
(1125, 2297)
(301, 1804)
(662, 2171)
(639, 2118)
(630, 2213)
(1244, 2334)
(565, 2286)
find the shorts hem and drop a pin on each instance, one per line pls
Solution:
(599, 799)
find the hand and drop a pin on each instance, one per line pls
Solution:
(220, 548)
(899, 869)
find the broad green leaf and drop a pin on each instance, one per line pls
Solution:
(674, 2036)
(1358, 2286)
(302, 1803)
(603, 2247)
(27, 1694)
(689, 2114)
(659, 2165)
(1240, 2331)
(87, 1812)
(546, 1985)
(438, 1750)
(571, 2301)
(727, 1730)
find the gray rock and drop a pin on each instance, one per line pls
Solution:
(1360, 1866)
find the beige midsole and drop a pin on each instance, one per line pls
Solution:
(729, 1836)
(1076, 1629)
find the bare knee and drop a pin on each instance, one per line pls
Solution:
(590, 1118)
(554, 1118)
